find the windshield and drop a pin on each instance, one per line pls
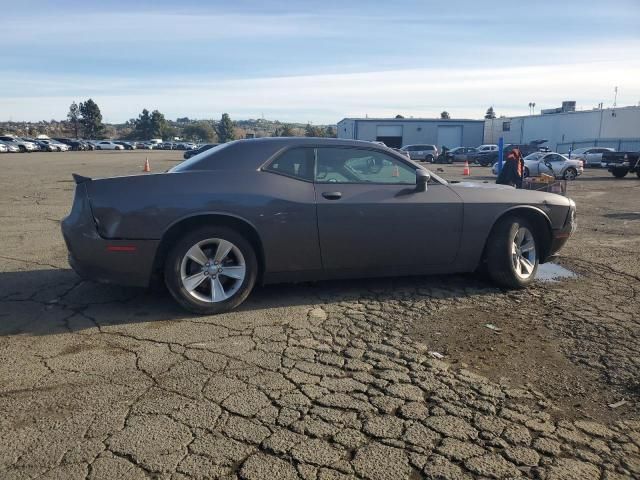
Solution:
(187, 164)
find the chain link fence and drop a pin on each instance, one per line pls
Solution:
(619, 144)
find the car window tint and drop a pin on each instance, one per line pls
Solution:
(355, 165)
(297, 162)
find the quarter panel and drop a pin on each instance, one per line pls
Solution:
(281, 209)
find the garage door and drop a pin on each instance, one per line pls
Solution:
(449, 136)
(391, 135)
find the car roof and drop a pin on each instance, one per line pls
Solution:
(252, 153)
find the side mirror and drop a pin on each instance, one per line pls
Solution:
(422, 178)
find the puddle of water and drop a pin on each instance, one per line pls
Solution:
(552, 272)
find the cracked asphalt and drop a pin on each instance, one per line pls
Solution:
(319, 381)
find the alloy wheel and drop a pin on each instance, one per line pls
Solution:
(523, 253)
(212, 270)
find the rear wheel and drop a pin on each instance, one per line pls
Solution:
(512, 253)
(211, 270)
(526, 172)
(619, 172)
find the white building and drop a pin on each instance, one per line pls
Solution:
(565, 129)
(398, 132)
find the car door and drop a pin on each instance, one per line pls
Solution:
(288, 220)
(557, 164)
(370, 216)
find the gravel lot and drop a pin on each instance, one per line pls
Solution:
(319, 381)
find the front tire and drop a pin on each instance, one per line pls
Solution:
(512, 253)
(211, 270)
(570, 174)
(620, 172)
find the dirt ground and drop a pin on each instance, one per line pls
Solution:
(321, 380)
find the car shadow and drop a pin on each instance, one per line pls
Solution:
(56, 301)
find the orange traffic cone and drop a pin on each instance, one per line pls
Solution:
(467, 171)
(146, 168)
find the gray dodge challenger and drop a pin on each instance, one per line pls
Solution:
(298, 209)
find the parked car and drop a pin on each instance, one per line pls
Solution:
(460, 154)
(3, 148)
(592, 157)
(200, 149)
(263, 210)
(144, 145)
(550, 163)
(489, 155)
(23, 145)
(621, 163)
(108, 145)
(12, 147)
(36, 146)
(50, 145)
(45, 146)
(424, 153)
(402, 152)
(76, 145)
(126, 145)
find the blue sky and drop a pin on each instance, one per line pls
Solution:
(315, 61)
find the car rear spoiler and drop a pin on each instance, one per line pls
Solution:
(80, 179)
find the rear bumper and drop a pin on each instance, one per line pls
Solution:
(122, 262)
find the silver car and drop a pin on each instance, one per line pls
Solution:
(592, 157)
(550, 163)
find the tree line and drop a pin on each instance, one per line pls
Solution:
(85, 120)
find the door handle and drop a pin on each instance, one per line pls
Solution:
(332, 195)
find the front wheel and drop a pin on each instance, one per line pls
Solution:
(619, 172)
(211, 270)
(512, 253)
(570, 174)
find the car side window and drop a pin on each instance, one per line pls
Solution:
(297, 163)
(356, 165)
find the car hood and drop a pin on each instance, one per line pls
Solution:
(491, 193)
(494, 186)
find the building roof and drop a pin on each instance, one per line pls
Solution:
(393, 119)
(575, 112)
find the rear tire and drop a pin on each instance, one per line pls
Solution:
(182, 270)
(620, 172)
(525, 172)
(512, 253)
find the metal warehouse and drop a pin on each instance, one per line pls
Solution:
(398, 132)
(566, 129)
